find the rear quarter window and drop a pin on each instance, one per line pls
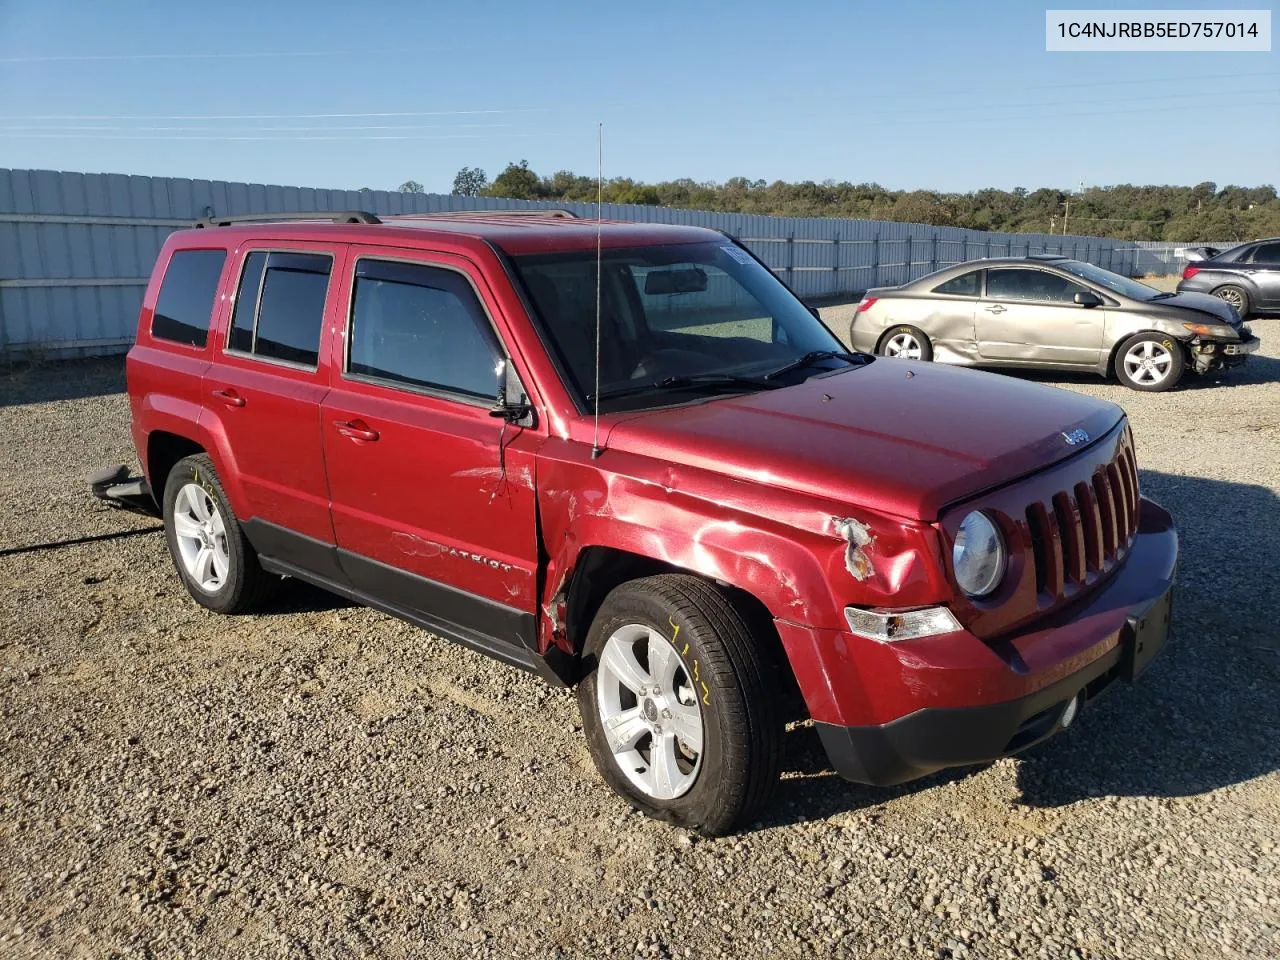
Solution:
(965, 285)
(185, 304)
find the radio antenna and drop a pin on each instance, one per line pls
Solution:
(595, 433)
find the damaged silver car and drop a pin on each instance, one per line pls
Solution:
(1053, 313)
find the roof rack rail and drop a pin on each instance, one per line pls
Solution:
(333, 216)
(556, 213)
(1047, 256)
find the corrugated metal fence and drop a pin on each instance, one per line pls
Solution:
(76, 248)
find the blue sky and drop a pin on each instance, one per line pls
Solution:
(935, 95)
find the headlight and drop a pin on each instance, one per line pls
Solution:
(1211, 329)
(978, 555)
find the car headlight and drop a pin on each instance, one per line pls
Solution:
(978, 555)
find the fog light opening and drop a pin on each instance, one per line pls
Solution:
(1069, 712)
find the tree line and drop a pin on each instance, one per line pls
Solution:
(1203, 212)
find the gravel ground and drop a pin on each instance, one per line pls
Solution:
(323, 781)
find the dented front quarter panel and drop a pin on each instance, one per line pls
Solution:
(804, 558)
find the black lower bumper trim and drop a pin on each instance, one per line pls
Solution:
(933, 739)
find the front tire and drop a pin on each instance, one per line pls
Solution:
(1238, 297)
(906, 342)
(677, 705)
(217, 565)
(1151, 362)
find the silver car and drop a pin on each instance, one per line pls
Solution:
(1052, 313)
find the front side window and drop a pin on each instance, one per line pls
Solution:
(185, 304)
(279, 309)
(965, 285)
(669, 313)
(1019, 284)
(421, 326)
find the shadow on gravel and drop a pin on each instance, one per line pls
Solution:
(296, 596)
(811, 790)
(1203, 716)
(66, 380)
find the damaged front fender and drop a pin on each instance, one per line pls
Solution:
(800, 558)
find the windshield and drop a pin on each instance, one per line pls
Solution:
(679, 314)
(1112, 281)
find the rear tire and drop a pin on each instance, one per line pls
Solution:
(1150, 362)
(906, 342)
(1238, 297)
(217, 565)
(700, 743)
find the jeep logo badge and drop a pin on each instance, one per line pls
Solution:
(1075, 437)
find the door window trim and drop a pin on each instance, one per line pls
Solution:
(501, 353)
(248, 251)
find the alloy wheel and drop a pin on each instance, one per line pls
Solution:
(649, 712)
(902, 345)
(1147, 363)
(201, 534)
(1232, 297)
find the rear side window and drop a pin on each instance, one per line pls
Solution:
(966, 285)
(186, 296)
(421, 326)
(279, 308)
(1267, 253)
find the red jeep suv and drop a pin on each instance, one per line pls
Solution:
(624, 456)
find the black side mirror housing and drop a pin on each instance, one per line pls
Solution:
(1087, 298)
(503, 409)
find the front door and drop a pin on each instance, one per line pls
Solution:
(432, 498)
(1029, 315)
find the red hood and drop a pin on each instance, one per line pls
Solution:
(896, 436)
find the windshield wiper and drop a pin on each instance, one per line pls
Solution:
(816, 356)
(711, 381)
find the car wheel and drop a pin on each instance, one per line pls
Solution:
(1150, 361)
(907, 342)
(1238, 297)
(677, 705)
(217, 565)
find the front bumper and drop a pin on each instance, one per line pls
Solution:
(1208, 354)
(1110, 636)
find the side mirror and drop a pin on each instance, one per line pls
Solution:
(518, 412)
(817, 315)
(1087, 298)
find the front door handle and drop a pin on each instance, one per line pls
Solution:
(356, 430)
(229, 397)
(995, 308)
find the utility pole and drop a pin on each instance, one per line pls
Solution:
(1066, 218)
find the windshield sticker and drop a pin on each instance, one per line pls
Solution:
(738, 254)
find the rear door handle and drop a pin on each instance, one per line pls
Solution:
(356, 430)
(229, 397)
(995, 308)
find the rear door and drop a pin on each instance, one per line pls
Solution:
(264, 391)
(1028, 315)
(1264, 269)
(432, 497)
